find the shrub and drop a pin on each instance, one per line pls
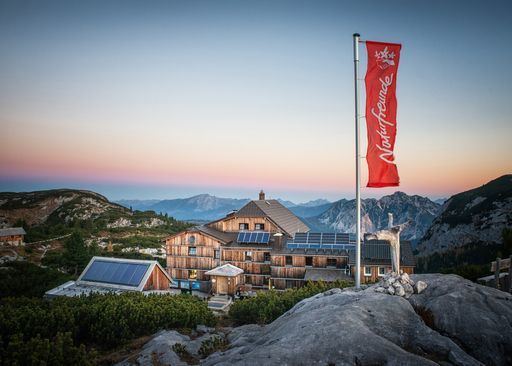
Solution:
(268, 306)
(101, 321)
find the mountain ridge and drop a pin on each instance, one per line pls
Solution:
(341, 216)
(476, 215)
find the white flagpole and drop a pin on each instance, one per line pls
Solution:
(358, 168)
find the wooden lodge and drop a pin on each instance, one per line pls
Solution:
(14, 236)
(272, 247)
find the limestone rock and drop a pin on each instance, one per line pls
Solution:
(409, 290)
(160, 349)
(380, 289)
(479, 318)
(419, 287)
(347, 328)
(399, 290)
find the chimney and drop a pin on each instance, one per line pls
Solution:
(278, 240)
(262, 195)
(390, 220)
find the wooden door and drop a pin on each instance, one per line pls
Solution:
(222, 285)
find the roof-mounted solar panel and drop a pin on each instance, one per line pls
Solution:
(119, 273)
(253, 237)
(329, 241)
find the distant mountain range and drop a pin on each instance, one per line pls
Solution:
(320, 215)
(205, 207)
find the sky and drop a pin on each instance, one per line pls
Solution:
(168, 99)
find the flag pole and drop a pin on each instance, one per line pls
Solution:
(358, 168)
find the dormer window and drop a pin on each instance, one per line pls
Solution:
(259, 227)
(243, 226)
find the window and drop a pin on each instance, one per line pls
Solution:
(266, 257)
(382, 271)
(216, 254)
(248, 256)
(243, 226)
(331, 262)
(292, 284)
(367, 270)
(192, 239)
(192, 251)
(259, 227)
(192, 274)
(309, 261)
(289, 260)
(248, 280)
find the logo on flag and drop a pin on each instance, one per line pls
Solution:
(384, 58)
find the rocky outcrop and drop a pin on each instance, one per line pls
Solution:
(477, 318)
(476, 216)
(452, 322)
(168, 347)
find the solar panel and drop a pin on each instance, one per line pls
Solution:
(253, 237)
(119, 273)
(331, 241)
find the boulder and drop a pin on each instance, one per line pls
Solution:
(477, 318)
(399, 290)
(346, 328)
(159, 349)
(419, 287)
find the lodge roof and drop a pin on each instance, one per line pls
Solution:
(227, 270)
(274, 210)
(11, 231)
(225, 237)
(112, 275)
(378, 252)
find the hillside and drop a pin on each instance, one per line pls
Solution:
(472, 229)
(341, 216)
(52, 213)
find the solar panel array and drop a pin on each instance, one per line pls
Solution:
(119, 273)
(253, 237)
(335, 241)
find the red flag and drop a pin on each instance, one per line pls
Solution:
(380, 83)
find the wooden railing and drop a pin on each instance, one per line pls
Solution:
(497, 266)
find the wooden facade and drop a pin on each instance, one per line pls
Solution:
(232, 224)
(157, 281)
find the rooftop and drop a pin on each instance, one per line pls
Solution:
(274, 210)
(110, 275)
(12, 231)
(227, 270)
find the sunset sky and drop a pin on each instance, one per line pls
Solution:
(169, 99)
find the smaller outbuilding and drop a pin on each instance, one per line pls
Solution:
(225, 279)
(116, 275)
(12, 236)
